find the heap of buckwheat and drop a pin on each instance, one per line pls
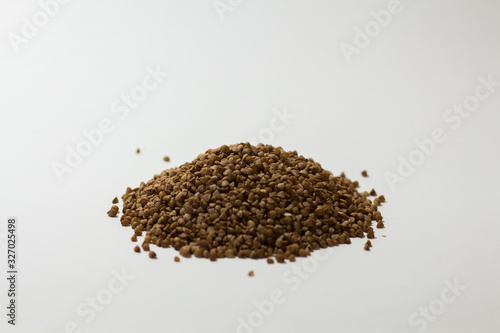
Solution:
(249, 202)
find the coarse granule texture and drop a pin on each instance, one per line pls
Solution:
(249, 202)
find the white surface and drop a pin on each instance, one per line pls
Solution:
(226, 77)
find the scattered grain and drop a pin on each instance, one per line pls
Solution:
(113, 211)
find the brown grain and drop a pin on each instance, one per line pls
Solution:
(113, 211)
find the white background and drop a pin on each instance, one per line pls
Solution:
(226, 78)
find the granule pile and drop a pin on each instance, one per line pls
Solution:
(249, 202)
